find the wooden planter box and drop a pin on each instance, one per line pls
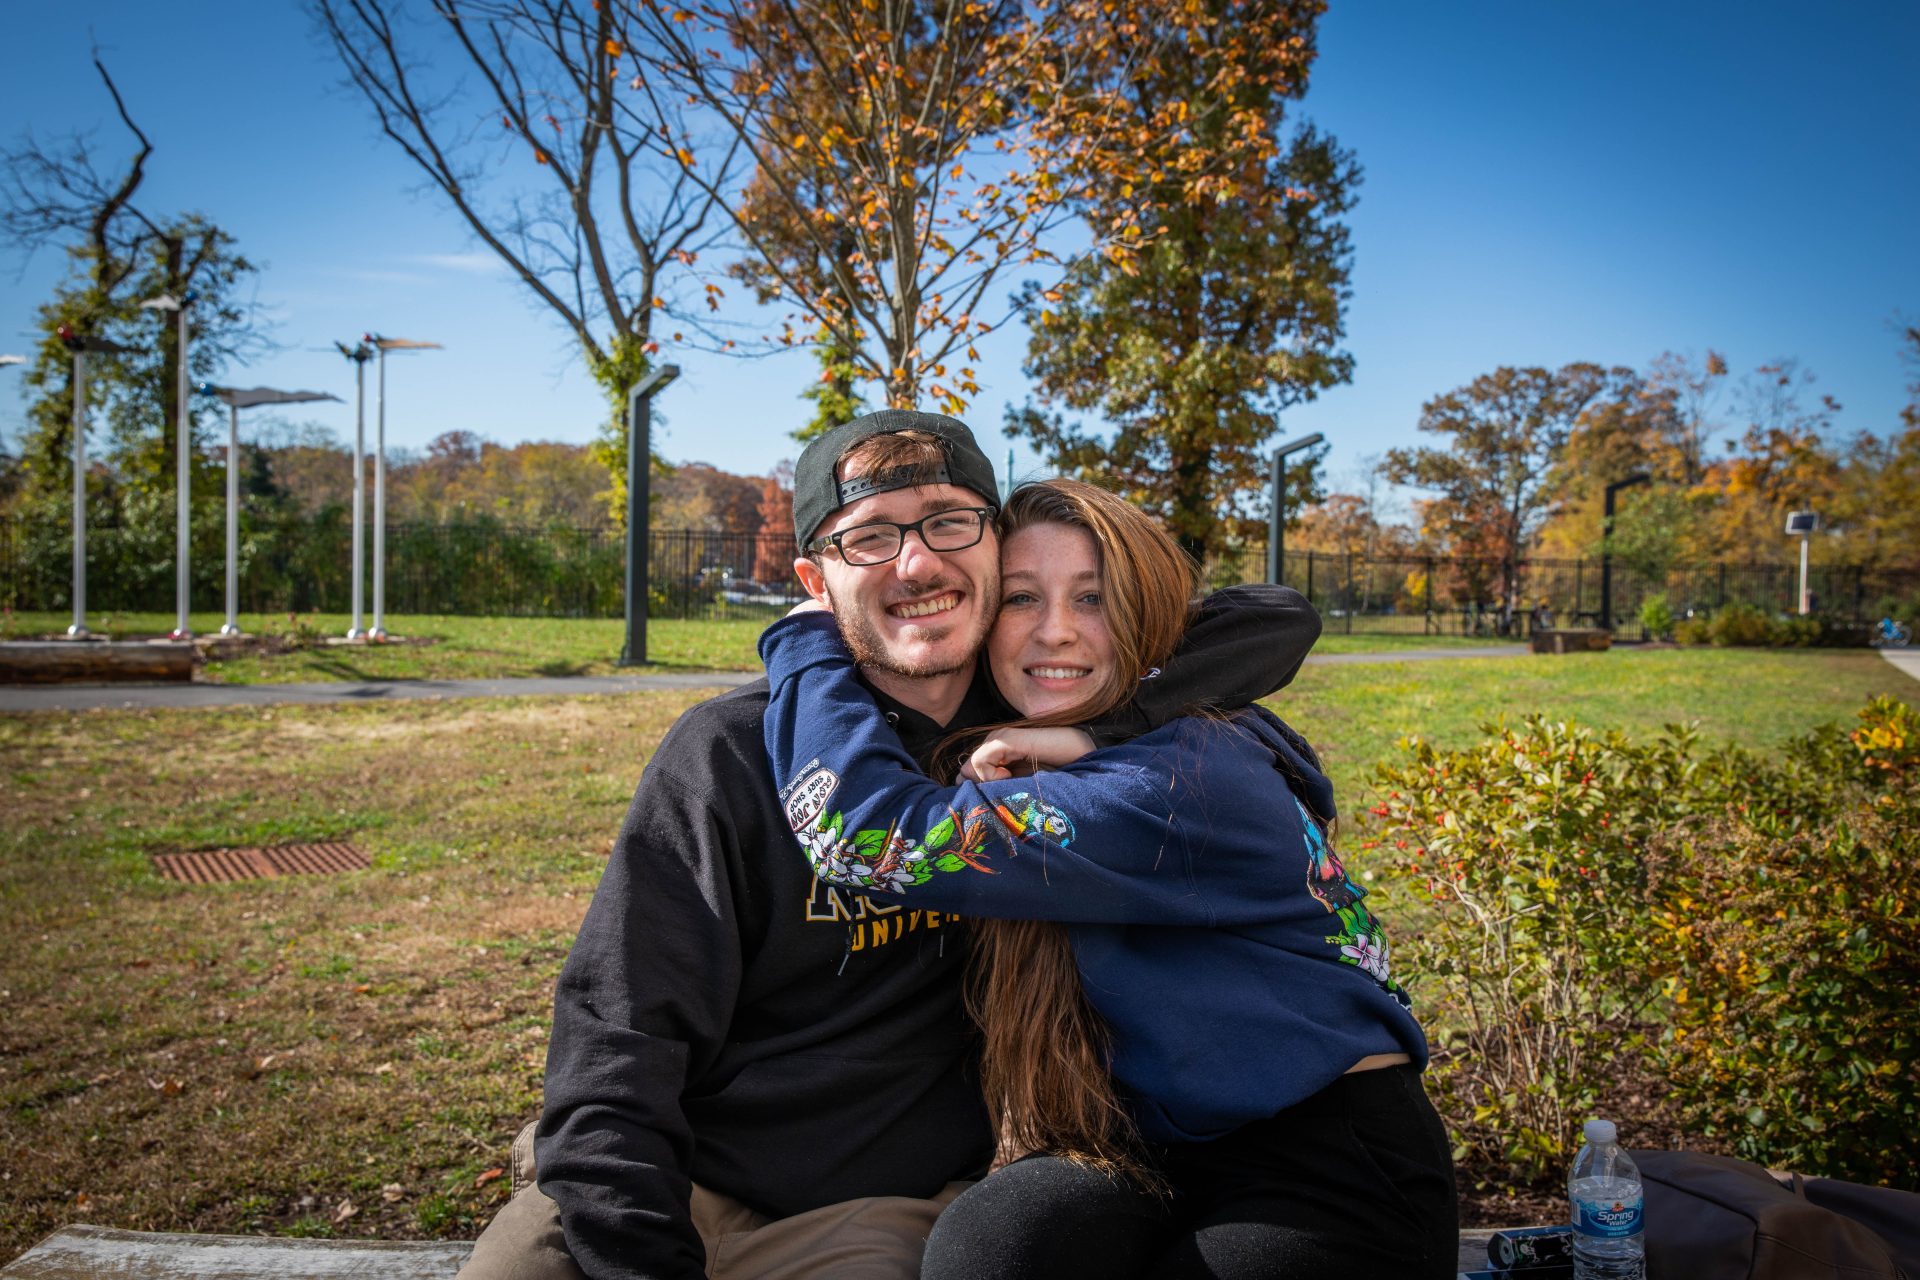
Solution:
(1585, 640)
(94, 661)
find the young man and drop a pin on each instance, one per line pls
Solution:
(752, 1074)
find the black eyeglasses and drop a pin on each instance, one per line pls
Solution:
(881, 541)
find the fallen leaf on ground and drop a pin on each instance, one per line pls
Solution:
(487, 1177)
(392, 1191)
(346, 1210)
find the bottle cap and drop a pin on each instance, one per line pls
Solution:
(1598, 1131)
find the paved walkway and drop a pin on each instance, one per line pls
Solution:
(1908, 660)
(83, 697)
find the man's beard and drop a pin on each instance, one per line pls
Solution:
(863, 641)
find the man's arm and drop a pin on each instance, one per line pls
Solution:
(1242, 644)
(643, 1002)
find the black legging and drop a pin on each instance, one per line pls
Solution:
(1355, 1182)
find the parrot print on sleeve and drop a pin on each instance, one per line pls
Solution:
(1362, 939)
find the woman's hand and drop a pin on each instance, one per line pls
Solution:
(1012, 753)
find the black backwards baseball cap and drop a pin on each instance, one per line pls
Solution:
(817, 493)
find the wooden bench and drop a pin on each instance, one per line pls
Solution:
(89, 1253)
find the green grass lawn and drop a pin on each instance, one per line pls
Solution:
(435, 647)
(263, 1057)
(1356, 714)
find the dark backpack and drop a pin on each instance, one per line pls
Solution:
(1715, 1218)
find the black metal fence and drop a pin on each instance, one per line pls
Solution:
(487, 567)
(1437, 595)
(478, 568)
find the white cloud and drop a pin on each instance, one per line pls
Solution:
(475, 262)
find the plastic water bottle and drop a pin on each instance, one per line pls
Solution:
(1607, 1206)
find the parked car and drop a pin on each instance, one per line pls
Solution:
(747, 591)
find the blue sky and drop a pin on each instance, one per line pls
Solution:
(1544, 183)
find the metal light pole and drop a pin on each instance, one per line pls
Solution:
(639, 472)
(1606, 546)
(359, 354)
(182, 473)
(80, 346)
(384, 345)
(1801, 525)
(236, 400)
(1277, 519)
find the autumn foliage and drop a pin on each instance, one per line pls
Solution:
(907, 155)
(1738, 933)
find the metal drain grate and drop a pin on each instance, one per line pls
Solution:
(223, 866)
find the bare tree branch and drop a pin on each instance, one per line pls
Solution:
(549, 71)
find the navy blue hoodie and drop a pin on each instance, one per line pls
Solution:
(1232, 958)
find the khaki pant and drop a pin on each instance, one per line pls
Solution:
(878, 1238)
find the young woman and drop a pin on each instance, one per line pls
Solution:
(1207, 1053)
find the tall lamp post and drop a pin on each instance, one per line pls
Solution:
(182, 473)
(639, 472)
(1277, 520)
(359, 353)
(1606, 545)
(383, 345)
(236, 399)
(81, 345)
(1802, 525)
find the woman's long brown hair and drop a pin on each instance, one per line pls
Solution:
(1044, 1066)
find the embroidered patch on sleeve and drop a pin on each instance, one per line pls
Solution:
(808, 798)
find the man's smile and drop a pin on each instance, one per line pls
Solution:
(927, 607)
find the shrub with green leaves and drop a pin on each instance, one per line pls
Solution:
(1740, 624)
(1656, 616)
(1522, 860)
(1748, 925)
(1746, 625)
(1791, 914)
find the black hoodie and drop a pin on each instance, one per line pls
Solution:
(694, 1038)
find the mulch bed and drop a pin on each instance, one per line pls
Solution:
(1650, 1119)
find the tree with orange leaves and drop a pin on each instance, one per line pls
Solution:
(775, 550)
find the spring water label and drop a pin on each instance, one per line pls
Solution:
(1607, 1211)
